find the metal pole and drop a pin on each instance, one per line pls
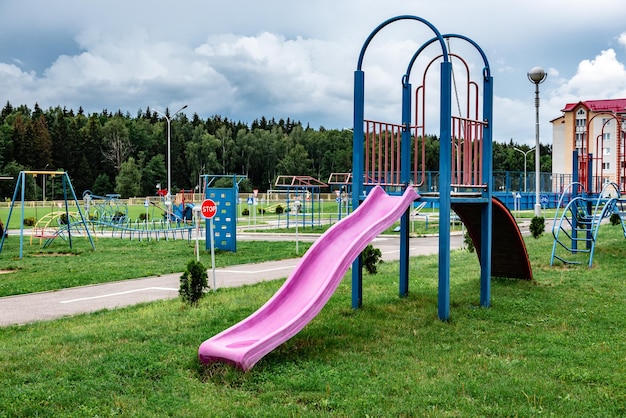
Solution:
(537, 76)
(168, 196)
(537, 154)
(525, 155)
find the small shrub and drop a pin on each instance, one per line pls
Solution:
(371, 257)
(469, 244)
(615, 219)
(261, 211)
(144, 217)
(193, 283)
(537, 226)
(119, 217)
(29, 221)
(245, 212)
(279, 210)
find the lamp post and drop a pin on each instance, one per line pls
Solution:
(525, 154)
(44, 185)
(537, 76)
(168, 196)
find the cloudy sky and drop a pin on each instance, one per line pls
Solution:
(244, 59)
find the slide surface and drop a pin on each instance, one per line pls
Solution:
(310, 285)
(509, 257)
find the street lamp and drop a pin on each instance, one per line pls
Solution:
(168, 196)
(537, 76)
(525, 154)
(44, 185)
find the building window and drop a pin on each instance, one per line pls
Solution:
(606, 136)
(606, 166)
(606, 121)
(581, 122)
(607, 151)
(579, 139)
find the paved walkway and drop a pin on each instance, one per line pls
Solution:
(22, 309)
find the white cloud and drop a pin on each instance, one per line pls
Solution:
(603, 77)
(281, 59)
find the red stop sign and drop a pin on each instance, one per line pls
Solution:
(208, 208)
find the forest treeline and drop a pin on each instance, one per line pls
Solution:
(109, 152)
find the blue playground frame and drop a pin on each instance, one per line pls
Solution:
(444, 196)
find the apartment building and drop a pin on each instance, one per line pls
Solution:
(595, 128)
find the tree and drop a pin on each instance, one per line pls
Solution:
(128, 181)
(116, 141)
(102, 185)
(296, 162)
(153, 173)
(201, 154)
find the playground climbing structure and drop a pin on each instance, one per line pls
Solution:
(392, 155)
(578, 218)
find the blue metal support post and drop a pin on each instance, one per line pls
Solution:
(357, 177)
(405, 177)
(445, 179)
(487, 210)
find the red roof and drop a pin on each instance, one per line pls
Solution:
(610, 105)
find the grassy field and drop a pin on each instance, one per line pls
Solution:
(554, 346)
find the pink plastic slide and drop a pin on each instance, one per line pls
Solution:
(310, 285)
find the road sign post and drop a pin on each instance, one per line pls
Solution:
(208, 210)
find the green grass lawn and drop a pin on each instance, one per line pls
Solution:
(554, 346)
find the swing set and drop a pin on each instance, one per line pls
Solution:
(69, 223)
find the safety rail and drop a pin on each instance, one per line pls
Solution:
(383, 154)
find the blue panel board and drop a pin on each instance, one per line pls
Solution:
(225, 221)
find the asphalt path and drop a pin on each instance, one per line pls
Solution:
(23, 309)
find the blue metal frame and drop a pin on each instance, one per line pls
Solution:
(225, 220)
(20, 184)
(444, 201)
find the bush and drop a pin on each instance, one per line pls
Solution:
(371, 257)
(615, 219)
(467, 240)
(279, 210)
(193, 283)
(245, 212)
(29, 221)
(144, 217)
(537, 226)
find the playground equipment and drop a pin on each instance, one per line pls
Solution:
(225, 220)
(343, 184)
(309, 286)
(577, 221)
(384, 181)
(68, 191)
(306, 190)
(382, 155)
(591, 197)
(108, 216)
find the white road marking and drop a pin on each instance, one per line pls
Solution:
(168, 289)
(257, 271)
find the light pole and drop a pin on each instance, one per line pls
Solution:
(537, 76)
(168, 196)
(525, 154)
(44, 185)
